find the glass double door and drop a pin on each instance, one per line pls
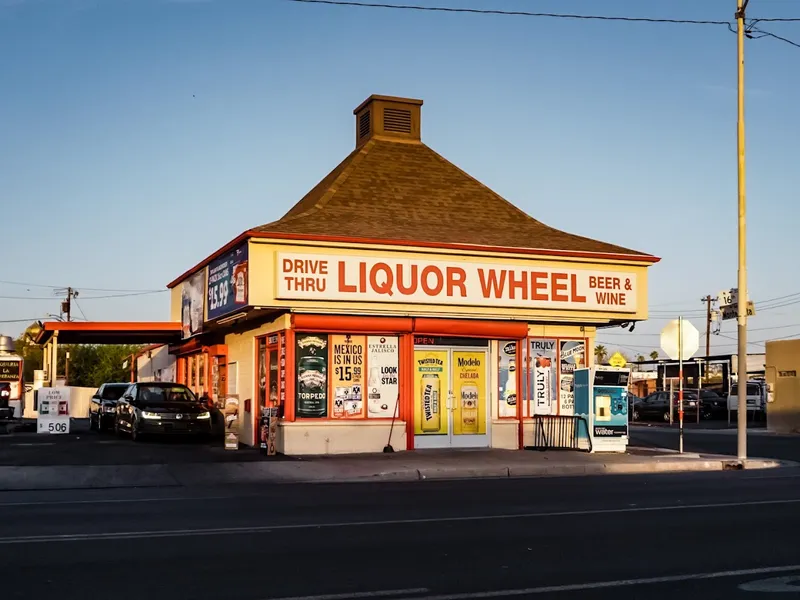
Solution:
(451, 407)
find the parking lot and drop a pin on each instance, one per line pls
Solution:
(24, 447)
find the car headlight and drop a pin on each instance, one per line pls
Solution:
(110, 409)
(150, 415)
(204, 415)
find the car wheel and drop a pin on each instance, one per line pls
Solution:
(100, 427)
(135, 435)
(635, 415)
(666, 417)
(117, 428)
(91, 422)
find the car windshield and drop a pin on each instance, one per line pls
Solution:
(160, 393)
(113, 392)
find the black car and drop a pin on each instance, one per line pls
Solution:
(161, 408)
(656, 407)
(6, 411)
(103, 408)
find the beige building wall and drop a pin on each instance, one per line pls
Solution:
(783, 374)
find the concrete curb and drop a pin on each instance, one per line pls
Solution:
(204, 474)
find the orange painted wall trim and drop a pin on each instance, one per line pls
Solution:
(407, 386)
(289, 409)
(349, 324)
(471, 328)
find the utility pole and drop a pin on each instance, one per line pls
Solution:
(708, 301)
(66, 305)
(741, 376)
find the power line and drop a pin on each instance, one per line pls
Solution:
(104, 297)
(512, 13)
(772, 35)
(89, 289)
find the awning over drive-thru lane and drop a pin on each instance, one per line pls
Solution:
(110, 332)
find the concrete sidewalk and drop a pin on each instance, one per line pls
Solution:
(402, 466)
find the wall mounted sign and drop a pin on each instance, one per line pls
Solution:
(227, 283)
(402, 280)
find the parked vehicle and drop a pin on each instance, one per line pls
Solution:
(6, 411)
(103, 408)
(656, 406)
(756, 397)
(160, 408)
(714, 405)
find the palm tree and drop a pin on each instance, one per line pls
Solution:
(600, 353)
(640, 358)
(654, 355)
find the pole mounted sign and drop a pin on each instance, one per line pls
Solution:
(680, 339)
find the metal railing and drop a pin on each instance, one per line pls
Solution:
(560, 432)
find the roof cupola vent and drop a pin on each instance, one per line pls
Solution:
(388, 117)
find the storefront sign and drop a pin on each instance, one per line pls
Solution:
(469, 375)
(192, 304)
(227, 283)
(430, 380)
(572, 355)
(282, 370)
(347, 375)
(10, 370)
(507, 378)
(383, 384)
(312, 375)
(400, 280)
(53, 409)
(544, 355)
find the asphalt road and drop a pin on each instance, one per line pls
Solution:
(669, 536)
(760, 444)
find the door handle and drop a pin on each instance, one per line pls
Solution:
(450, 400)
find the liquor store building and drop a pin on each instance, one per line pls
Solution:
(400, 296)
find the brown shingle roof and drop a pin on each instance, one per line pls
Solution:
(404, 191)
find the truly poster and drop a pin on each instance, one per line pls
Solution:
(312, 375)
(227, 283)
(383, 381)
(192, 294)
(543, 377)
(507, 378)
(348, 353)
(469, 382)
(572, 355)
(430, 392)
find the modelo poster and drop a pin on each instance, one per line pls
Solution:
(312, 375)
(347, 375)
(544, 354)
(507, 378)
(469, 374)
(383, 385)
(572, 355)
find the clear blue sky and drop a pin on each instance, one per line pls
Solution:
(138, 136)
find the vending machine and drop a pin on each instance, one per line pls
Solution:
(601, 397)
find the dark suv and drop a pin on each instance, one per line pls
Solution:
(103, 408)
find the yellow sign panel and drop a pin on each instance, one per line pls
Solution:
(469, 383)
(347, 375)
(431, 383)
(617, 360)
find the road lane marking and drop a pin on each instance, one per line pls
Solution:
(116, 501)
(377, 594)
(178, 533)
(772, 585)
(598, 585)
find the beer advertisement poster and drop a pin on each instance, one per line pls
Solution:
(227, 283)
(192, 295)
(507, 378)
(231, 413)
(469, 373)
(383, 383)
(312, 375)
(572, 355)
(430, 392)
(348, 353)
(543, 377)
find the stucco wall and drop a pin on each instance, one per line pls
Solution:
(783, 372)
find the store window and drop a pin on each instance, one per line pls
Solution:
(548, 380)
(346, 376)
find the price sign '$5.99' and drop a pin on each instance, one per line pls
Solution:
(218, 294)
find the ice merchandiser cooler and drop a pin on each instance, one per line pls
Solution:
(601, 397)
